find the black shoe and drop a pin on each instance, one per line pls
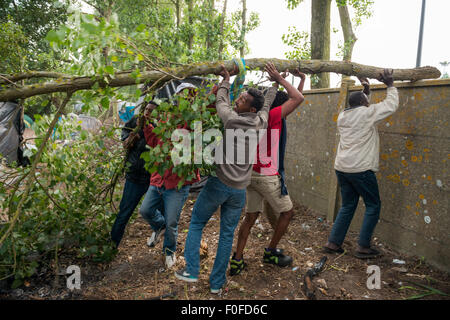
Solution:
(277, 257)
(236, 266)
(326, 249)
(373, 253)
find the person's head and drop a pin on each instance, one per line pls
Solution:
(149, 108)
(251, 100)
(280, 98)
(358, 98)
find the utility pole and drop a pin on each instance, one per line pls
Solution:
(419, 49)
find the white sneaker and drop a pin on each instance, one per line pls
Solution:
(170, 261)
(154, 239)
(216, 291)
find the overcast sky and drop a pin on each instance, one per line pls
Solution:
(388, 39)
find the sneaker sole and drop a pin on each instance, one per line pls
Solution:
(278, 265)
(363, 256)
(185, 278)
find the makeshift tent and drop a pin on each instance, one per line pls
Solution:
(11, 133)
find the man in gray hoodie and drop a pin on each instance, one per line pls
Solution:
(228, 189)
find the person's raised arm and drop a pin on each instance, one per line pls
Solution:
(127, 136)
(365, 83)
(389, 105)
(295, 97)
(223, 103)
(302, 76)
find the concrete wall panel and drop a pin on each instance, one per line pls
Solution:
(413, 178)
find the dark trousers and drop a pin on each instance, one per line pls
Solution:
(132, 194)
(354, 185)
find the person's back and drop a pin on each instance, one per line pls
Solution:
(134, 169)
(356, 163)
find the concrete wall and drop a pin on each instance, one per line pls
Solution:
(413, 177)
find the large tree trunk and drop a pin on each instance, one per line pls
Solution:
(158, 78)
(222, 24)
(347, 30)
(243, 28)
(190, 8)
(177, 5)
(320, 37)
(210, 4)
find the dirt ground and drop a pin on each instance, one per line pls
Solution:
(138, 272)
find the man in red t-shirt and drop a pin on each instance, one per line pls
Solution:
(266, 182)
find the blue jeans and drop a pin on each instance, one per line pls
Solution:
(132, 194)
(232, 201)
(352, 186)
(162, 208)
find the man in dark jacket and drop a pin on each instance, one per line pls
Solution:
(137, 178)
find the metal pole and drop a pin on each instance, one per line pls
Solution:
(422, 20)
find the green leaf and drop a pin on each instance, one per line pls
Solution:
(52, 36)
(16, 283)
(140, 27)
(109, 69)
(90, 28)
(105, 102)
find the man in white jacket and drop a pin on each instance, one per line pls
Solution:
(357, 161)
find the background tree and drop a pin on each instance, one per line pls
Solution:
(320, 37)
(36, 19)
(243, 27)
(362, 10)
(222, 28)
(319, 44)
(12, 47)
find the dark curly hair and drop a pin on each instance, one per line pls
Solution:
(280, 98)
(258, 98)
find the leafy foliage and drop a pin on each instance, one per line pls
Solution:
(36, 19)
(363, 9)
(12, 44)
(299, 42)
(67, 208)
(292, 4)
(236, 25)
(184, 112)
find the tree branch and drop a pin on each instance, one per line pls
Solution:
(32, 74)
(204, 68)
(347, 30)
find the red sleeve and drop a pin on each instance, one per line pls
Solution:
(150, 137)
(275, 117)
